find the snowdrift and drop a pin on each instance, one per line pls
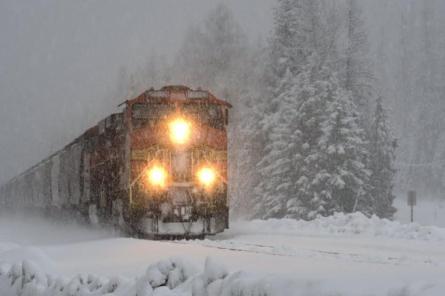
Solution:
(341, 224)
(415, 271)
(177, 277)
(171, 277)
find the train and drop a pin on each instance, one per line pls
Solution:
(156, 169)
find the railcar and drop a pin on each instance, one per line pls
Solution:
(156, 169)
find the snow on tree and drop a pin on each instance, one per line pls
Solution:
(297, 26)
(314, 93)
(291, 44)
(300, 51)
(343, 177)
(382, 154)
(277, 168)
(315, 136)
(358, 76)
(316, 154)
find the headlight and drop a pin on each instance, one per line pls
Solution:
(179, 131)
(157, 177)
(206, 176)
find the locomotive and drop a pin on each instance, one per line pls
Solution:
(157, 169)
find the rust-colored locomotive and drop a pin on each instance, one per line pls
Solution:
(157, 169)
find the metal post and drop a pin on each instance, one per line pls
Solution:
(412, 201)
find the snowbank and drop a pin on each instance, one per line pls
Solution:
(426, 212)
(341, 224)
(173, 277)
(177, 277)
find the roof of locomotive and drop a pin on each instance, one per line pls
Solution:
(178, 94)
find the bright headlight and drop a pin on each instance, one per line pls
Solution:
(179, 131)
(206, 176)
(157, 176)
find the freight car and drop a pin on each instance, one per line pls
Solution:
(157, 169)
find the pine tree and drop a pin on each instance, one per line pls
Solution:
(293, 41)
(313, 132)
(277, 168)
(289, 70)
(343, 178)
(358, 76)
(313, 96)
(301, 83)
(382, 155)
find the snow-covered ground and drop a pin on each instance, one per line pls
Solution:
(426, 212)
(341, 255)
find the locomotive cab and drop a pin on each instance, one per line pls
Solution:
(177, 144)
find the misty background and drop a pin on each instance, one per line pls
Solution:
(66, 65)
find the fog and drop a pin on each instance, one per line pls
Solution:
(60, 63)
(23, 229)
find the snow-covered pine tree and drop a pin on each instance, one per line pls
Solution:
(343, 176)
(382, 154)
(358, 76)
(277, 168)
(283, 53)
(314, 93)
(293, 42)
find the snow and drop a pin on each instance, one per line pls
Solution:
(339, 255)
(344, 224)
(169, 277)
(426, 212)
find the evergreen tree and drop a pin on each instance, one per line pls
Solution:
(315, 96)
(382, 155)
(277, 168)
(295, 179)
(343, 177)
(358, 77)
(289, 70)
(297, 26)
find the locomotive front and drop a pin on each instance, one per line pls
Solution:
(177, 162)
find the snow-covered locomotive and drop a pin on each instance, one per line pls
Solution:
(157, 169)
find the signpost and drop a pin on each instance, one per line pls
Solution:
(412, 200)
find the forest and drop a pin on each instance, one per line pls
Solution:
(320, 124)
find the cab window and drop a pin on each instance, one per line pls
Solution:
(146, 113)
(206, 114)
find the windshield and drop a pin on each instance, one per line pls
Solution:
(144, 113)
(206, 114)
